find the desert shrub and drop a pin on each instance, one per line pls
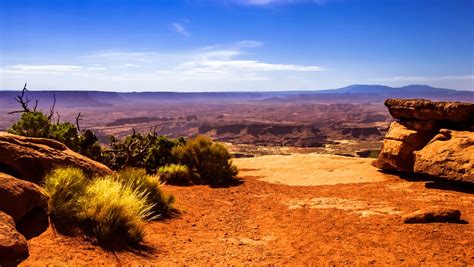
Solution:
(31, 124)
(138, 180)
(149, 151)
(175, 174)
(65, 186)
(36, 124)
(113, 209)
(210, 161)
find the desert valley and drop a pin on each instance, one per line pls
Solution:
(310, 187)
(237, 133)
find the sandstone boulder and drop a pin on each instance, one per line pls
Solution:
(433, 214)
(13, 245)
(399, 144)
(18, 197)
(420, 109)
(30, 158)
(449, 155)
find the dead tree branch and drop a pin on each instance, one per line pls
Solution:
(23, 100)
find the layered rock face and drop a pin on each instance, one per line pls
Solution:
(430, 138)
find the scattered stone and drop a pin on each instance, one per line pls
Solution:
(31, 159)
(13, 245)
(18, 197)
(433, 214)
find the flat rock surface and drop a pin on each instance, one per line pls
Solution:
(310, 169)
(261, 223)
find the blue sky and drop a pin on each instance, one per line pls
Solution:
(235, 45)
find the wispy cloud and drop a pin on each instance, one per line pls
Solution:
(179, 28)
(213, 67)
(47, 69)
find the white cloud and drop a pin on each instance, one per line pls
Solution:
(179, 28)
(216, 67)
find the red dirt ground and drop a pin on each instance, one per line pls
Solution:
(253, 224)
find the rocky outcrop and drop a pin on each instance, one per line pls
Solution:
(425, 110)
(430, 138)
(433, 214)
(18, 197)
(13, 245)
(30, 158)
(449, 155)
(400, 142)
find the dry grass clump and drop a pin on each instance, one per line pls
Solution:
(175, 174)
(65, 187)
(111, 207)
(150, 185)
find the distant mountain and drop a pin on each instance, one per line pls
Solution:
(352, 93)
(360, 92)
(383, 90)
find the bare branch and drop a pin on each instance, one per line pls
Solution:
(23, 100)
(51, 109)
(78, 118)
(59, 117)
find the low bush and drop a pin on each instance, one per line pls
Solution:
(149, 151)
(111, 209)
(137, 179)
(65, 187)
(175, 174)
(210, 161)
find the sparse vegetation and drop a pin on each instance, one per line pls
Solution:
(149, 151)
(195, 161)
(34, 123)
(112, 209)
(209, 161)
(139, 180)
(112, 206)
(65, 187)
(175, 174)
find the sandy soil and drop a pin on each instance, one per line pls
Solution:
(259, 222)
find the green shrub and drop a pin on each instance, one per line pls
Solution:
(31, 124)
(65, 186)
(36, 124)
(149, 151)
(175, 174)
(210, 161)
(113, 209)
(138, 180)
